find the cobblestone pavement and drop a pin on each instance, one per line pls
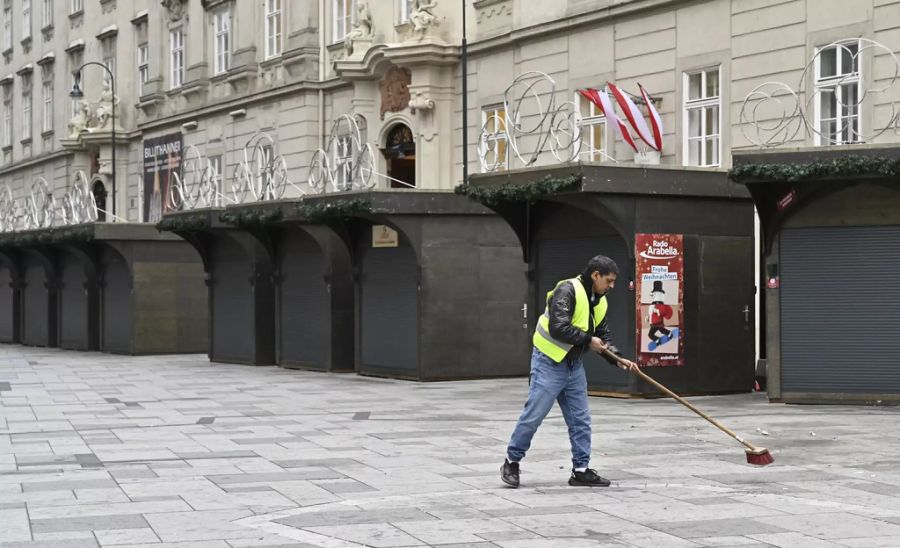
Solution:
(175, 451)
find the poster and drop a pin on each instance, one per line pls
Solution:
(162, 158)
(659, 265)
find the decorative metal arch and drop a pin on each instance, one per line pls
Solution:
(262, 173)
(773, 113)
(533, 123)
(347, 161)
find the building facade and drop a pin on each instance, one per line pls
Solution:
(219, 72)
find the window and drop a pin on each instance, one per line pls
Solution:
(344, 13)
(406, 7)
(222, 44)
(343, 161)
(47, 19)
(702, 118)
(76, 6)
(47, 116)
(7, 29)
(273, 28)
(26, 111)
(143, 64)
(176, 60)
(7, 116)
(593, 131)
(26, 19)
(493, 119)
(838, 94)
(109, 58)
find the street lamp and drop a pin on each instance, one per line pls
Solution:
(76, 93)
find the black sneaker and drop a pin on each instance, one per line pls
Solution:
(509, 473)
(588, 478)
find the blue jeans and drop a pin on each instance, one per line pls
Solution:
(566, 384)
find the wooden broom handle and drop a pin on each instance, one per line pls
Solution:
(685, 403)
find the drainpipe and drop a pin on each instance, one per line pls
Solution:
(321, 73)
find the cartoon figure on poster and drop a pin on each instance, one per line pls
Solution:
(657, 315)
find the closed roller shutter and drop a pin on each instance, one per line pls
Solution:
(7, 306)
(117, 309)
(389, 322)
(73, 329)
(35, 305)
(558, 259)
(840, 309)
(232, 306)
(305, 311)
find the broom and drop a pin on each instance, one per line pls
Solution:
(759, 456)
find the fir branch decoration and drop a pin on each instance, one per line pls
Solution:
(529, 193)
(251, 218)
(185, 223)
(848, 166)
(48, 236)
(318, 212)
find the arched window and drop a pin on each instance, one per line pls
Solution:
(400, 152)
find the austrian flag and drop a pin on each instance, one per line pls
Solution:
(635, 118)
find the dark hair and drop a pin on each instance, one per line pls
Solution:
(602, 264)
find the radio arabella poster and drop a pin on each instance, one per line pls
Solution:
(659, 261)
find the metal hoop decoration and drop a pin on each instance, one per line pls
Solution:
(261, 173)
(42, 204)
(772, 110)
(8, 218)
(325, 170)
(186, 191)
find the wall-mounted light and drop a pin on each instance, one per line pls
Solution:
(238, 112)
(190, 125)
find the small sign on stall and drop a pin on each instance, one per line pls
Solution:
(384, 236)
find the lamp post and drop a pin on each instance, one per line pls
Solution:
(76, 93)
(465, 98)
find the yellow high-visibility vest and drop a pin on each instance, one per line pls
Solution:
(553, 348)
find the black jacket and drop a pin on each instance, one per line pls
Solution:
(562, 307)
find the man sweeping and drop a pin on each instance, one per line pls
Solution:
(573, 322)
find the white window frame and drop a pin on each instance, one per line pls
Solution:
(7, 116)
(703, 104)
(47, 17)
(47, 116)
(143, 65)
(344, 12)
(26, 113)
(590, 116)
(109, 51)
(7, 29)
(835, 84)
(274, 25)
(222, 39)
(343, 162)
(500, 134)
(76, 6)
(406, 8)
(26, 19)
(176, 58)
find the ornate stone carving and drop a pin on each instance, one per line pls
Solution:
(80, 121)
(362, 29)
(423, 18)
(176, 9)
(395, 90)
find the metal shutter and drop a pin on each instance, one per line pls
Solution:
(117, 306)
(840, 309)
(35, 305)
(7, 308)
(558, 259)
(233, 311)
(304, 303)
(389, 331)
(73, 332)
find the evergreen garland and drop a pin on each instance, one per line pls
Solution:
(183, 223)
(250, 218)
(530, 192)
(847, 166)
(321, 211)
(48, 236)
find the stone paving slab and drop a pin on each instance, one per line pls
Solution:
(173, 451)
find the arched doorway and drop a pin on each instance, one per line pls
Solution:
(98, 189)
(400, 153)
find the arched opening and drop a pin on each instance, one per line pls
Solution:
(400, 153)
(98, 189)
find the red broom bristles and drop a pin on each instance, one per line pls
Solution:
(760, 457)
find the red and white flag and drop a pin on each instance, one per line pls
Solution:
(601, 99)
(655, 118)
(635, 118)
